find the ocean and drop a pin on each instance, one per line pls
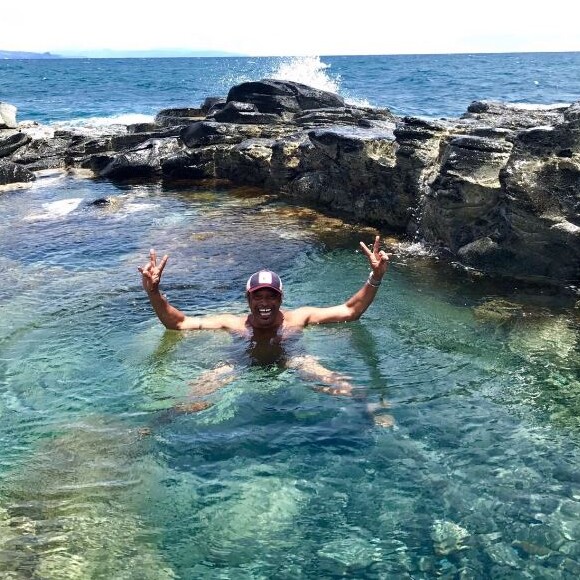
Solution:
(101, 476)
(79, 90)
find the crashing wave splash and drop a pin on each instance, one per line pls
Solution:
(311, 71)
(308, 70)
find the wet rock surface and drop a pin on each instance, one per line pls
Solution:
(497, 189)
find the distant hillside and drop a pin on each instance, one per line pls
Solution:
(152, 53)
(107, 53)
(4, 54)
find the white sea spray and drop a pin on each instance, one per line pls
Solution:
(308, 70)
(413, 249)
(95, 126)
(55, 209)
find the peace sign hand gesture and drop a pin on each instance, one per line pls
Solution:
(151, 272)
(378, 259)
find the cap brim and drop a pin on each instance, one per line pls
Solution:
(260, 286)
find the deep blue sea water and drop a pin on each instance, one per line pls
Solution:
(479, 477)
(424, 85)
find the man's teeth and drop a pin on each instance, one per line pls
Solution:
(264, 310)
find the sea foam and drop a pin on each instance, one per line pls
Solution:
(102, 125)
(55, 209)
(311, 71)
(308, 70)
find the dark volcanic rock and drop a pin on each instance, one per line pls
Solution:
(11, 142)
(245, 113)
(170, 117)
(283, 97)
(144, 161)
(206, 133)
(212, 104)
(141, 127)
(198, 164)
(14, 173)
(38, 151)
(511, 116)
(351, 170)
(357, 116)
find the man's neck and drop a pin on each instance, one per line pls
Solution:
(260, 330)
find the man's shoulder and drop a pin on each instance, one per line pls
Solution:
(297, 317)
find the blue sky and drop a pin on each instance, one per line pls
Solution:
(298, 27)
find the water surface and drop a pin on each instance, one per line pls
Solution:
(479, 476)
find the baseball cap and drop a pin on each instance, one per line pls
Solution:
(264, 279)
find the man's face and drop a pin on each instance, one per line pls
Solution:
(264, 305)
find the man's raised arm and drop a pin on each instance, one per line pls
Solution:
(170, 316)
(357, 304)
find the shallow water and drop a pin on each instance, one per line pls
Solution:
(478, 478)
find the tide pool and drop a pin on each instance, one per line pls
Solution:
(99, 479)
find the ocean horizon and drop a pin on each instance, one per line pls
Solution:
(187, 53)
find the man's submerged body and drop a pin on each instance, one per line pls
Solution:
(267, 327)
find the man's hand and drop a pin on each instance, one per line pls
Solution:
(151, 272)
(378, 259)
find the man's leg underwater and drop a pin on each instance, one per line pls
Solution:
(309, 368)
(337, 384)
(207, 383)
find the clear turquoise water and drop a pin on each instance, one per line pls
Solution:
(478, 479)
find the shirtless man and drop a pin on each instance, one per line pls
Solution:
(267, 323)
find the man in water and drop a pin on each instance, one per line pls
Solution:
(267, 325)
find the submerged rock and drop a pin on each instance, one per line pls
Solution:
(497, 311)
(448, 537)
(345, 554)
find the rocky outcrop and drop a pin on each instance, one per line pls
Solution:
(497, 189)
(172, 117)
(281, 98)
(14, 173)
(11, 141)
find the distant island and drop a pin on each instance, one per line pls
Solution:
(4, 54)
(107, 53)
(150, 53)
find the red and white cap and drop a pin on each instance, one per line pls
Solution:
(264, 279)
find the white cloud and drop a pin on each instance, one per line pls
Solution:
(300, 27)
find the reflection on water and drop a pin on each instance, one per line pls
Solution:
(478, 479)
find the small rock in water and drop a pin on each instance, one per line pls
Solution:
(531, 549)
(101, 201)
(448, 537)
(497, 311)
(505, 556)
(201, 236)
(351, 552)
